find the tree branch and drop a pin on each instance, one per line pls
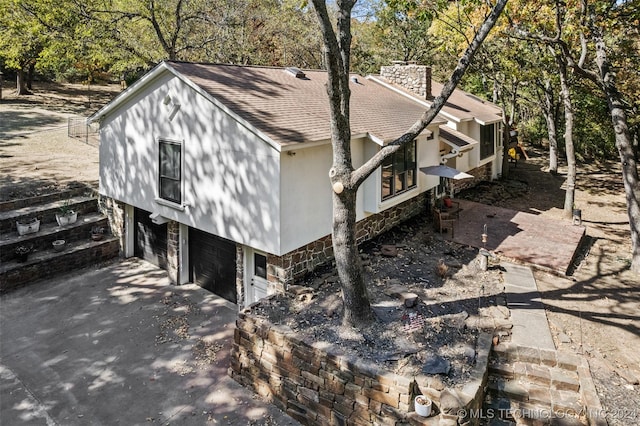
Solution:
(358, 176)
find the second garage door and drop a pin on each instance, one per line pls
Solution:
(213, 263)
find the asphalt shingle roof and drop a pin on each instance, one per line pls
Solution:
(293, 110)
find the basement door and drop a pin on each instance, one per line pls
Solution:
(256, 270)
(150, 239)
(212, 263)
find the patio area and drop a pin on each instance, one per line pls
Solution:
(526, 238)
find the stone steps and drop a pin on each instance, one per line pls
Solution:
(46, 264)
(530, 386)
(46, 212)
(19, 203)
(50, 232)
(43, 261)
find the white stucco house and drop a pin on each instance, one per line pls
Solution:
(219, 173)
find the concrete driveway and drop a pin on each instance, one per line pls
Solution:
(120, 346)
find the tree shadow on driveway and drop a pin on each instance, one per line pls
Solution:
(120, 345)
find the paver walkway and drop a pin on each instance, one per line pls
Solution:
(121, 346)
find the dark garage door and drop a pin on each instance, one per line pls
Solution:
(151, 239)
(213, 263)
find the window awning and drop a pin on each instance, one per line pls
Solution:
(456, 140)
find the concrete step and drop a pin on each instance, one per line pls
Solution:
(75, 190)
(47, 263)
(46, 212)
(49, 232)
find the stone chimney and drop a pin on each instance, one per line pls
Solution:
(413, 77)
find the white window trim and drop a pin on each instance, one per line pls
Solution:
(158, 199)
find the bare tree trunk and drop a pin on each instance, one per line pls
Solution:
(624, 144)
(30, 74)
(357, 308)
(549, 110)
(21, 84)
(569, 198)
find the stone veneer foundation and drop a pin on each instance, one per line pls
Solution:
(284, 270)
(482, 173)
(315, 383)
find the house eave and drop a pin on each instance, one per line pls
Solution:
(487, 122)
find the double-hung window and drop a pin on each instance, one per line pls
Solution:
(170, 171)
(399, 172)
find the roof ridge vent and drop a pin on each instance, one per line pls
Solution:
(296, 72)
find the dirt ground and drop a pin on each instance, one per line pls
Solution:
(36, 153)
(594, 312)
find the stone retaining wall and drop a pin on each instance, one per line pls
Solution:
(315, 383)
(9, 205)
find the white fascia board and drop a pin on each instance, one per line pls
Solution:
(484, 123)
(128, 92)
(373, 138)
(302, 145)
(415, 99)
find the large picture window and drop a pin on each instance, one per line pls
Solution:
(399, 172)
(487, 141)
(170, 179)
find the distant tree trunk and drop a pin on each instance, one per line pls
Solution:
(506, 139)
(31, 71)
(21, 83)
(569, 198)
(549, 111)
(624, 144)
(512, 104)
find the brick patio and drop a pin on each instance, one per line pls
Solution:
(540, 242)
